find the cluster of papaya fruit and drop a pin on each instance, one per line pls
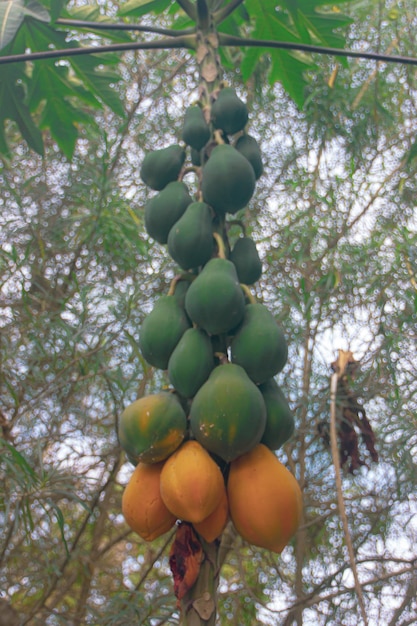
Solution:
(204, 447)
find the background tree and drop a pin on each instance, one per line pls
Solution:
(334, 219)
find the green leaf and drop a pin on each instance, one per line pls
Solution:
(295, 21)
(13, 106)
(56, 8)
(137, 8)
(20, 461)
(11, 17)
(12, 14)
(92, 14)
(98, 81)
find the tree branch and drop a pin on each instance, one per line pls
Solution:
(340, 500)
(186, 41)
(123, 26)
(220, 15)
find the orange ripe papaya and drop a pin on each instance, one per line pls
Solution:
(142, 505)
(265, 500)
(213, 526)
(192, 484)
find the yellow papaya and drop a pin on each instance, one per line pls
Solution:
(142, 505)
(192, 484)
(212, 527)
(265, 500)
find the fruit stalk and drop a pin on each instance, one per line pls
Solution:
(198, 607)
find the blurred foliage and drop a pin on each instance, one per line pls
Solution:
(334, 221)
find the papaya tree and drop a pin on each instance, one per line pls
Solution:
(268, 43)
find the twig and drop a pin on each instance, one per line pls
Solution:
(340, 500)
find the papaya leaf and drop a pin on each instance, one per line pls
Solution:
(11, 17)
(292, 21)
(92, 14)
(13, 106)
(56, 8)
(12, 14)
(98, 81)
(137, 8)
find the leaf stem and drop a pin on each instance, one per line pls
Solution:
(186, 41)
(220, 15)
(123, 26)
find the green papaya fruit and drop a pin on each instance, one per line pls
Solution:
(249, 147)
(163, 166)
(196, 157)
(191, 362)
(229, 112)
(228, 180)
(190, 240)
(152, 428)
(228, 413)
(181, 288)
(166, 208)
(258, 344)
(215, 300)
(195, 131)
(279, 418)
(245, 258)
(161, 330)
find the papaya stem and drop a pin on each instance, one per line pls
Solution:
(248, 293)
(220, 245)
(174, 282)
(218, 137)
(199, 605)
(222, 356)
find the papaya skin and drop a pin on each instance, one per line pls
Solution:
(142, 505)
(228, 180)
(192, 484)
(151, 428)
(228, 413)
(212, 527)
(265, 499)
(259, 345)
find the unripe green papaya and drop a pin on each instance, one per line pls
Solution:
(258, 344)
(166, 208)
(215, 300)
(190, 240)
(195, 131)
(249, 147)
(151, 428)
(228, 180)
(161, 330)
(228, 413)
(245, 258)
(196, 157)
(279, 418)
(163, 166)
(181, 288)
(191, 362)
(229, 112)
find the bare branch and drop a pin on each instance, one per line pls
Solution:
(340, 500)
